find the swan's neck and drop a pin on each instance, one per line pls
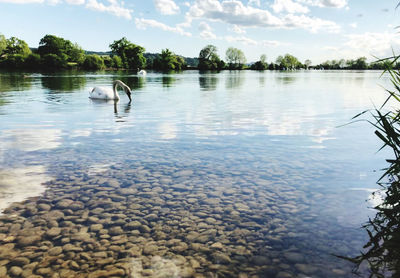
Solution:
(116, 96)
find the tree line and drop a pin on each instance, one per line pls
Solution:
(59, 53)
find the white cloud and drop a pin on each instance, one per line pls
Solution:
(373, 44)
(255, 3)
(167, 7)
(314, 25)
(288, 6)
(115, 8)
(235, 13)
(241, 39)
(269, 43)
(142, 23)
(325, 3)
(21, 1)
(353, 25)
(333, 3)
(186, 24)
(75, 2)
(248, 41)
(238, 30)
(367, 45)
(206, 31)
(331, 48)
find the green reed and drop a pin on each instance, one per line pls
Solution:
(381, 255)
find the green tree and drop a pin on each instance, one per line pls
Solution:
(13, 61)
(117, 62)
(209, 59)
(16, 46)
(167, 60)
(93, 62)
(288, 62)
(131, 54)
(53, 61)
(33, 61)
(307, 63)
(64, 49)
(3, 44)
(235, 57)
(261, 64)
(361, 63)
(76, 54)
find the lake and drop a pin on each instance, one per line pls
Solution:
(230, 174)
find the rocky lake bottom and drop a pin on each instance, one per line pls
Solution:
(165, 220)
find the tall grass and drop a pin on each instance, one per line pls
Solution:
(381, 255)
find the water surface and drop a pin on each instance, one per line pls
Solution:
(231, 173)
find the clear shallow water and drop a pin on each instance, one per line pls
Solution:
(220, 173)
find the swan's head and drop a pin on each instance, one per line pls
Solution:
(128, 93)
(125, 87)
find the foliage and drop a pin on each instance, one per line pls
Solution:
(93, 62)
(3, 44)
(54, 61)
(33, 61)
(62, 48)
(167, 61)
(382, 253)
(117, 62)
(357, 64)
(107, 60)
(13, 61)
(16, 46)
(131, 54)
(307, 63)
(235, 58)
(288, 62)
(261, 64)
(209, 59)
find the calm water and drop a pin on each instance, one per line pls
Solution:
(205, 175)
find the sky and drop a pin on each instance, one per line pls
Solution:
(318, 30)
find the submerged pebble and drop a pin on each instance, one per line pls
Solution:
(196, 222)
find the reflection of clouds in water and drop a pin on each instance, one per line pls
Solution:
(84, 132)
(19, 184)
(375, 197)
(98, 168)
(160, 267)
(167, 130)
(31, 139)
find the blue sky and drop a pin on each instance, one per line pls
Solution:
(308, 29)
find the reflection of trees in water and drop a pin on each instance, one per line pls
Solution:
(63, 83)
(168, 81)
(381, 255)
(287, 79)
(235, 79)
(261, 80)
(208, 82)
(382, 252)
(15, 82)
(134, 82)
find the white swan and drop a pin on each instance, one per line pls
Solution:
(141, 72)
(108, 93)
